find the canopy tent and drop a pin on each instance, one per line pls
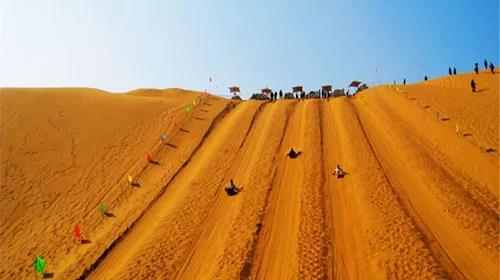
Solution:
(266, 91)
(338, 92)
(326, 88)
(234, 89)
(297, 89)
(355, 84)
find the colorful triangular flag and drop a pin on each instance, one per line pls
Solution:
(39, 265)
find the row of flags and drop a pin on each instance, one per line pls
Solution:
(40, 263)
(480, 142)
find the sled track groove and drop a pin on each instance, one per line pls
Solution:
(238, 154)
(246, 270)
(312, 239)
(327, 205)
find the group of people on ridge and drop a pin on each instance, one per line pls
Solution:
(473, 84)
(453, 71)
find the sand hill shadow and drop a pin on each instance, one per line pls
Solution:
(85, 241)
(483, 89)
(172, 145)
(110, 215)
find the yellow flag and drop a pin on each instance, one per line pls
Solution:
(456, 128)
(194, 102)
(130, 179)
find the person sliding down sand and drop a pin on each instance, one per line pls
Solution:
(232, 189)
(293, 154)
(338, 171)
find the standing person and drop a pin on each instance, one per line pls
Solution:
(476, 68)
(473, 85)
(485, 64)
(425, 78)
(404, 81)
(449, 70)
(281, 94)
(492, 68)
(454, 71)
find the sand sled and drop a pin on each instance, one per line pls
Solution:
(293, 154)
(233, 191)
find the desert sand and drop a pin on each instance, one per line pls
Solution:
(419, 200)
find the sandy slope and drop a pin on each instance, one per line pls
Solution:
(420, 199)
(65, 150)
(459, 207)
(476, 114)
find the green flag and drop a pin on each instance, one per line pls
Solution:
(39, 265)
(187, 109)
(102, 208)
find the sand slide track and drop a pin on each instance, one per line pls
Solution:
(312, 239)
(225, 241)
(172, 223)
(278, 234)
(426, 235)
(373, 237)
(448, 212)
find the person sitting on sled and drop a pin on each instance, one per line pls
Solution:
(232, 189)
(338, 171)
(293, 154)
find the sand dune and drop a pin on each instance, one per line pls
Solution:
(420, 199)
(66, 150)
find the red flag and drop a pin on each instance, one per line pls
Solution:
(150, 157)
(78, 232)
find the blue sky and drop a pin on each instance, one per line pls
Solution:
(122, 45)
